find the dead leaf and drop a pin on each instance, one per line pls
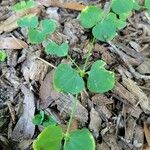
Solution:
(111, 141)
(48, 3)
(122, 92)
(57, 3)
(138, 140)
(137, 92)
(95, 122)
(147, 133)
(25, 144)
(12, 43)
(47, 92)
(33, 68)
(38, 70)
(74, 6)
(144, 68)
(147, 148)
(130, 127)
(24, 128)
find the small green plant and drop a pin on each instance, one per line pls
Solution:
(43, 119)
(105, 23)
(29, 21)
(54, 49)
(3, 55)
(71, 78)
(23, 5)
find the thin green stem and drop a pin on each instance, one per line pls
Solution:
(80, 70)
(70, 120)
(89, 54)
(106, 12)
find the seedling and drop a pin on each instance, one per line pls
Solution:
(39, 34)
(43, 119)
(54, 49)
(105, 24)
(3, 55)
(71, 78)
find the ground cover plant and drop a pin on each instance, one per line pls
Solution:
(3, 55)
(72, 78)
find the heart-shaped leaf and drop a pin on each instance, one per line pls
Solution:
(90, 16)
(49, 139)
(30, 21)
(67, 79)
(23, 5)
(38, 35)
(3, 55)
(105, 30)
(100, 80)
(35, 36)
(55, 49)
(48, 26)
(122, 6)
(80, 140)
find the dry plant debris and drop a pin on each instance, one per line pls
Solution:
(117, 119)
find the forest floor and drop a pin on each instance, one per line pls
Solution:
(118, 119)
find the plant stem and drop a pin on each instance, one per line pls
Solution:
(80, 70)
(89, 54)
(70, 120)
(106, 12)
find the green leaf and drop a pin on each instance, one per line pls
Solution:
(80, 140)
(136, 5)
(90, 16)
(30, 21)
(35, 36)
(38, 119)
(124, 16)
(23, 5)
(147, 5)
(49, 139)
(49, 120)
(67, 79)
(3, 55)
(121, 24)
(122, 6)
(100, 80)
(48, 26)
(106, 29)
(55, 49)
(38, 35)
